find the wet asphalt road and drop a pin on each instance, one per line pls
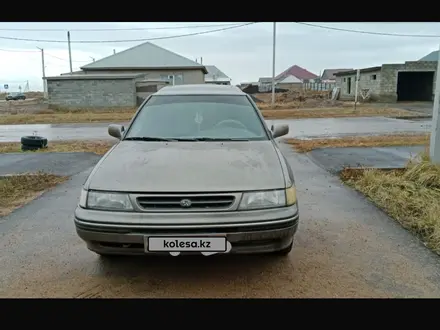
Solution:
(335, 159)
(345, 247)
(302, 128)
(60, 163)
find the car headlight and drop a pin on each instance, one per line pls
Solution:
(268, 199)
(105, 201)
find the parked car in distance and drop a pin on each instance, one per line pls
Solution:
(15, 96)
(196, 171)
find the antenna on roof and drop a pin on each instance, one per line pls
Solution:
(196, 61)
(114, 51)
(201, 60)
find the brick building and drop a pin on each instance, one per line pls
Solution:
(123, 79)
(409, 81)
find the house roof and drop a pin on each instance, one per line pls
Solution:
(297, 72)
(98, 76)
(144, 56)
(214, 74)
(265, 80)
(351, 72)
(431, 57)
(290, 80)
(329, 74)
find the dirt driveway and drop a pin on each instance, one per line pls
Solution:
(345, 248)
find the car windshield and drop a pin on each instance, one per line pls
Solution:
(13, 94)
(197, 117)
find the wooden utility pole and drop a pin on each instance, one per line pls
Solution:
(43, 68)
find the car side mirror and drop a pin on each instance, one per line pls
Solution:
(116, 130)
(279, 130)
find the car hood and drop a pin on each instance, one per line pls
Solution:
(137, 166)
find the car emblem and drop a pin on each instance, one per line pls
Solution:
(185, 203)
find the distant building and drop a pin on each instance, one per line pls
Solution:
(409, 81)
(299, 73)
(264, 85)
(290, 82)
(215, 76)
(328, 75)
(123, 79)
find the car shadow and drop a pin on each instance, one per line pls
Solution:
(187, 266)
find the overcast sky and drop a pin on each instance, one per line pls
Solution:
(244, 54)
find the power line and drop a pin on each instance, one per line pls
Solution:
(157, 38)
(36, 51)
(370, 32)
(63, 59)
(19, 51)
(130, 40)
(122, 29)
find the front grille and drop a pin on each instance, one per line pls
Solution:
(186, 203)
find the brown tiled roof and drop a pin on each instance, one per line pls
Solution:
(297, 72)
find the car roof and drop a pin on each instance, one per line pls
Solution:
(200, 89)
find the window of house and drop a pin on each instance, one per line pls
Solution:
(178, 78)
(373, 77)
(345, 79)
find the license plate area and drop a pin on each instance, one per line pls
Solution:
(184, 243)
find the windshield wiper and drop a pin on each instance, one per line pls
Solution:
(148, 138)
(152, 138)
(211, 139)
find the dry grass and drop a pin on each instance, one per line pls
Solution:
(97, 147)
(17, 190)
(30, 95)
(65, 117)
(411, 196)
(124, 115)
(360, 141)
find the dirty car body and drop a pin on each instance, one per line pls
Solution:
(196, 162)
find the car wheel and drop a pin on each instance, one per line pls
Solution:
(285, 251)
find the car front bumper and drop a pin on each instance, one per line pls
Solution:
(258, 231)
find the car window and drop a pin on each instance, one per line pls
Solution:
(198, 116)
